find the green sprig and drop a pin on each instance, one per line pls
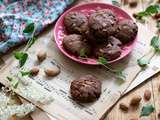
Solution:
(147, 110)
(119, 74)
(13, 82)
(143, 62)
(155, 43)
(153, 9)
(21, 57)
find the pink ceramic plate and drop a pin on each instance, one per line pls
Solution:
(59, 31)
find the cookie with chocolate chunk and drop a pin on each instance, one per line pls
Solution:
(76, 22)
(85, 89)
(75, 43)
(102, 23)
(108, 51)
(126, 31)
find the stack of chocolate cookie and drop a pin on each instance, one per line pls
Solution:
(102, 32)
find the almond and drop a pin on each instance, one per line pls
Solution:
(52, 71)
(123, 106)
(34, 70)
(159, 115)
(156, 16)
(41, 55)
(133, 3)
(135, 100)
(134, 119)
(147, 94)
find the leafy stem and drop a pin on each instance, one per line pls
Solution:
(119, 74)
(30, 29)
(23, 56)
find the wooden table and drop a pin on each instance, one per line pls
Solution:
(152, 84)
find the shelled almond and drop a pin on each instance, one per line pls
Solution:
(41, 55)
(159, 88)
(135, 100)
(147, 94)
(52, 71)
(123, 107)
(133, 3)
(34, 70)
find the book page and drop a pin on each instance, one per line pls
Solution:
(63, 107)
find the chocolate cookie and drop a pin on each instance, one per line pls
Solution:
(109, 51)
(126, 31)
(76, 22)
(92, 38)
(85, 89)
(75, 44)
(102, 23)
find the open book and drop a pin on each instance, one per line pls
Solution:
(63, 107)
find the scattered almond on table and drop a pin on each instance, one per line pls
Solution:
(133, 3)
(123, 107)
(41, 55)
(159, 115)
(156, 16)
(52, 71)
(134, 119)
(147, 95)
(34, 70)
(135, 100)
(159, 88)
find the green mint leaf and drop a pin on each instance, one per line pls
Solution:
(142, 62)
(18, 55)
(25, 73)
(155, 43)
(153, 9)
(15, 83)
(83, 53)
(116, 3)
(31, 42)
(147, 110)
(9, 78)
(141, 14)
(22, 57)
(120, 75)
(102, 60)
(29, 28)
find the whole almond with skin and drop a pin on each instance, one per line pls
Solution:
(133, 3)
(123, 107)
(159, 88)
(147, 94)
(41, 55)
(134, 119)
(159, 115)
(34, 70)
(135, 100)
(52, 71)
